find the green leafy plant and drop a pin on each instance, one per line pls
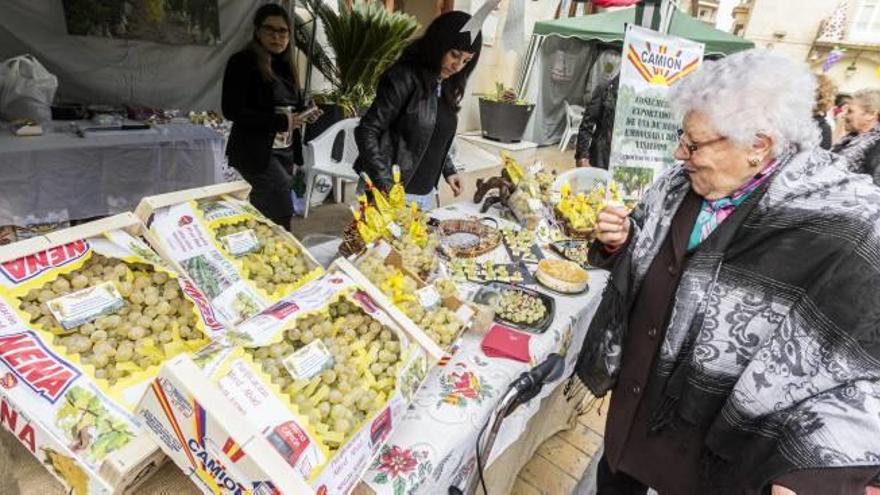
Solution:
(504, 94)
(365, 39)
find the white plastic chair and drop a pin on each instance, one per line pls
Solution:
(582, 179)
(574, 114)
(317, 155)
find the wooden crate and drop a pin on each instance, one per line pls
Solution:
(238, 190)
(246, 411)
(435, 353)
(144, 211)
(125, 469)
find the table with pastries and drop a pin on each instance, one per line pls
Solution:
(433, 446)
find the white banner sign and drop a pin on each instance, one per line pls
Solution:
(645, 130)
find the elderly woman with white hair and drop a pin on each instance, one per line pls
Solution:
(739, 333)
(861, 147)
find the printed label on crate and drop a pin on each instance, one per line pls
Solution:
(394, 229)
(535, 204)
(86, 305)
(31, 363)
(261, 328)
(28, 267)
(250, 396)
(428, 297)
(54, 455)
(241, 243)
(241, 260)
(309, 361)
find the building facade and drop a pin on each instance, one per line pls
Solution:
(810, 30)
(706, 11)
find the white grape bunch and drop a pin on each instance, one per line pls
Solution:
(341, 397)
(440, 323)
(155, 313)
(277, 265)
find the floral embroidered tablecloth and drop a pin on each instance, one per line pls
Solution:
(434, 445)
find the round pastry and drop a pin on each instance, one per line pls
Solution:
(562, 275)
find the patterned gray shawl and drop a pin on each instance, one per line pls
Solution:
(773, 344)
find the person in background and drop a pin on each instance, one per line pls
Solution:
(838, 116)
(413, 118)
(593, 147)
(258, 82)
(825, 93)
(861, 146)
(737, 334)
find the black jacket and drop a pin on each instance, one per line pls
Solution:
(824, 130)
(597, 127)
(862, 152)
(249, 102)
(397, 128)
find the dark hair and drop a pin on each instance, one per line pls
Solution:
(444, 34)
(264, 58)
(842, 99)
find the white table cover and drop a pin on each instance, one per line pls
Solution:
(59, 176)
(434, 446)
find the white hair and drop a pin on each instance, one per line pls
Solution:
(750, 93)
(869, 99)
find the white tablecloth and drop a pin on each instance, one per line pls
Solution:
(434, 445)
(59, 176)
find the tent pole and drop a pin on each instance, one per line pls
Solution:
(529, 63)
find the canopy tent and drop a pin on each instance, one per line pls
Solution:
(608, 27)
(568, 58)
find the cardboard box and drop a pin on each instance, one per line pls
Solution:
(51, 399)
(182, 230)
(226, 410)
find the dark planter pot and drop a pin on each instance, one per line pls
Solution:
(332, 114)
(504, 122)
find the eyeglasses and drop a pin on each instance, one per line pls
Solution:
(274, 31)
(692, 147)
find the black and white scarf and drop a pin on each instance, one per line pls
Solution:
(773, 344)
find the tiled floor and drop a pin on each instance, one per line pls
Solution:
(559, 462)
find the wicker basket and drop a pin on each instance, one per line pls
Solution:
(489, 237)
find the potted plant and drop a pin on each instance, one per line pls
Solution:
(503, 116)
(365, 39)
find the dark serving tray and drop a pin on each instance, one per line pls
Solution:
(490, 290)
(558, 247)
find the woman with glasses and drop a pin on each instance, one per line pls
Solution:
(261, 97)
(739, 329)
(413, 118)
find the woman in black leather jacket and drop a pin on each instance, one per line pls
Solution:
(258, 80)
(413, 118)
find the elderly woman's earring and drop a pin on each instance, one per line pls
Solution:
(754, 161)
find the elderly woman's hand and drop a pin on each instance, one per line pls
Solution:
(612, 227)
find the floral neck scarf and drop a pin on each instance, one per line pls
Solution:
(714, 211)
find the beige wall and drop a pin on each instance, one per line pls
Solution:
(496, 62)
(800, 20)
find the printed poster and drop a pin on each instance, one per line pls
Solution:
(645, 129)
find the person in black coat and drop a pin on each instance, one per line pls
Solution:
(260, 97)
(413, 118)
(593, 148)
(861, 147)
